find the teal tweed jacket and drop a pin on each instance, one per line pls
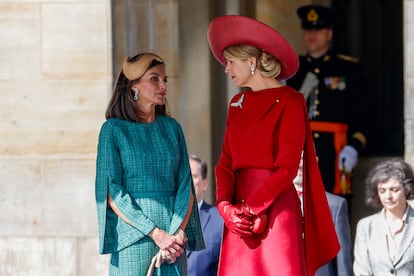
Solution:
(144, 167)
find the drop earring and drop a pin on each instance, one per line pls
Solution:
(252, 69)
(136, 90)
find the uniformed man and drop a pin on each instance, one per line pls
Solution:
(333, 87)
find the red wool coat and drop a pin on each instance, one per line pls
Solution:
(268, 129)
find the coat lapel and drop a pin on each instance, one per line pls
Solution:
(407, 237)
(204, 216)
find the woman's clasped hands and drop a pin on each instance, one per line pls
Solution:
(241, 220)
(171, 246)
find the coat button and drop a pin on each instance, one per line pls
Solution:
(392, 271)
(316, 135)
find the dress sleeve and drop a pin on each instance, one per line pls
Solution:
(184, 186)
(106, 219)
(183, 182)
(109, 181)
(223, 170)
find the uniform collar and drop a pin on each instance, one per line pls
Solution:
(324, 58)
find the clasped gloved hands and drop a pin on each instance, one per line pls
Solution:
(241, 220)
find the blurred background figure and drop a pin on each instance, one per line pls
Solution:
(205, 262)
(333, 87)
(384, 241)
(342, 264)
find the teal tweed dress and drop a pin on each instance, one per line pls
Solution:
(145, 169)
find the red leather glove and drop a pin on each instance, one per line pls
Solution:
(259, 221)
(260, 224)
(236, 218)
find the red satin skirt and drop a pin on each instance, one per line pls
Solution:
(277, 251)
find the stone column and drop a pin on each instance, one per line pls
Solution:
(408, 35)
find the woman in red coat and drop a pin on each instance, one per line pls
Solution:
(267, 129)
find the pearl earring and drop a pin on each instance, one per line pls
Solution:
(136, 90)
(252, 69)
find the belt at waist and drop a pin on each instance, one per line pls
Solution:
(153, 194)
(249, 181)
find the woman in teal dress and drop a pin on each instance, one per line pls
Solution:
(147, 212)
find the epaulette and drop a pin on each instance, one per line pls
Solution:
(347, 58)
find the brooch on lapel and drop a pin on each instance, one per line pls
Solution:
(239, 102)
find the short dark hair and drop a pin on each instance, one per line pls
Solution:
(396, 169)
(202, 163)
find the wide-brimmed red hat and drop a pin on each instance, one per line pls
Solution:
(229, 30)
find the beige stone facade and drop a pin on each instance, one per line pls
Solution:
(57, 62)
(408, 46)
(55, 79)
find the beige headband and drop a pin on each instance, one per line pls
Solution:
(135, 69)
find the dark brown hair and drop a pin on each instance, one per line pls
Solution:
(122, 104)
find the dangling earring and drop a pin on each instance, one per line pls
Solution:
(136, 90)
(252, 69)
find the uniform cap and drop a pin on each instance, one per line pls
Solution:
(315, 16)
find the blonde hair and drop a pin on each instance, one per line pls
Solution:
(267, 64)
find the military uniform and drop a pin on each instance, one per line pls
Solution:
(335, 96)
(338, 98)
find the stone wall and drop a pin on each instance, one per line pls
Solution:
(58, 59)
(55, 79)
(408, 46)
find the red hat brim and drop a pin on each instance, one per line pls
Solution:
(229, 30)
